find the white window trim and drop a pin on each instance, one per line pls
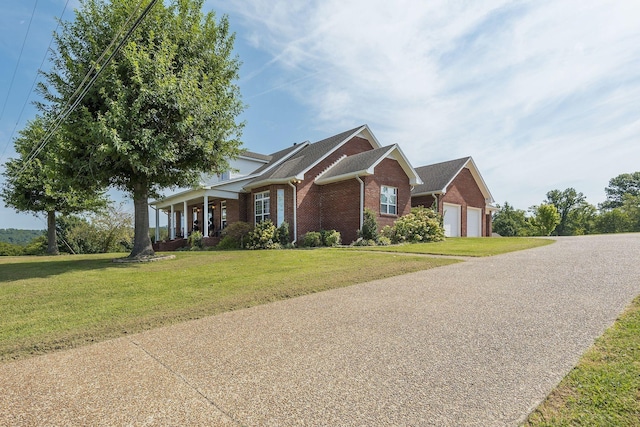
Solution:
(264, 215)
(223, 214)
(387, 205)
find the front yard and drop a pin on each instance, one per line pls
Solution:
(51, 303)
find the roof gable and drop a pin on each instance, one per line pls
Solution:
(361, 164)
(439, 176)
(298, 164)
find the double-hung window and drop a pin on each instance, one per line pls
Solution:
(388, 200)
(261, 204)
(223, 214)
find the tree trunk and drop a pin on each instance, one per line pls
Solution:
(141, 241)
(52, 242)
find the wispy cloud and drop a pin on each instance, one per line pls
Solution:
(543, 94)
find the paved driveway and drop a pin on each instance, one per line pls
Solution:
(476, 343)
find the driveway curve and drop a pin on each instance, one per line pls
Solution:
(479, 343)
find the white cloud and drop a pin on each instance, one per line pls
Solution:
(543, 94)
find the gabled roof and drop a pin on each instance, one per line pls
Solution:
(309, 156)
(256, 156)
(279, 156)
(438, 177)
(364, 163)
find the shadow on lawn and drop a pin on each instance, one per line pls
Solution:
(10, 272)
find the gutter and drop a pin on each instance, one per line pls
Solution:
(295, 212)
(361, 201)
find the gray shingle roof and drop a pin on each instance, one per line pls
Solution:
(356, 163)
(305, 158)
(276, 157)
(437, 176)
(257, 156)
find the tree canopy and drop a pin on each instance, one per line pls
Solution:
(509, 222)
(567, 202)
(33, 183)
(626, 184)
(162, 111)
(546, 218)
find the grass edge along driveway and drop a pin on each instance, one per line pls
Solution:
(604, 388)
(465, 246)
(54, 303)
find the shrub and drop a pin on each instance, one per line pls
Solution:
(421, 225)
(369, 230)
(283, 234)
(364, 242)
(331, 237)
(383, 241)
(10, 249)
(228, 242)
(237, 232)
(37, 246)
(263, 236)
(195, 240)
(312, 239)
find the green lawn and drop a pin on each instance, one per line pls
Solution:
(50, 303)
(465, 246)
(604, 389)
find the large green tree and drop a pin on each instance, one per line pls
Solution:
(546, 218)
(33, 183)
(163, 110)
(568, 202)
(626, 184)
(509, 221)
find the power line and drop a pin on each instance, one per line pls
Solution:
(83, 91)
(35, 79)
(24, 41)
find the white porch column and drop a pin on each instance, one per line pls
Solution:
(172, 230)
(157, 224)
(184, 222)
(205, 217)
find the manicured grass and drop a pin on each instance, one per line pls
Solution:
(50, 303)
(604, 389)
(466, 246)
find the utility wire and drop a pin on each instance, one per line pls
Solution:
(33, 12)
(35, 79)
(65, 113)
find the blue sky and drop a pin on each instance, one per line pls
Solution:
(543, 94)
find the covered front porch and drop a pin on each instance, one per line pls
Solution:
(204, 210)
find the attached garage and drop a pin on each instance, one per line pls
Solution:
(474, 222)
(460, 195)
(451, 220)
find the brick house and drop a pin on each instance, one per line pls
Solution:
(460, 194)
(311, 186)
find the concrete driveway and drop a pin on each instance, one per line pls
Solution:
(476, 343)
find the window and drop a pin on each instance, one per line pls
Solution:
(388, 200)
(261, 203)
(224, 176)
(223, 214)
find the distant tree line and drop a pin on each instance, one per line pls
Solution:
(567, 213)
(108, 231)
(19, 237)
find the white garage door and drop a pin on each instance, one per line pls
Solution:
(451, 220)
(474, 226)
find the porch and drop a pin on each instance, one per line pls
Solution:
(203, 210)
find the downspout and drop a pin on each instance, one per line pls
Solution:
(361, 201)
(295, 212)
